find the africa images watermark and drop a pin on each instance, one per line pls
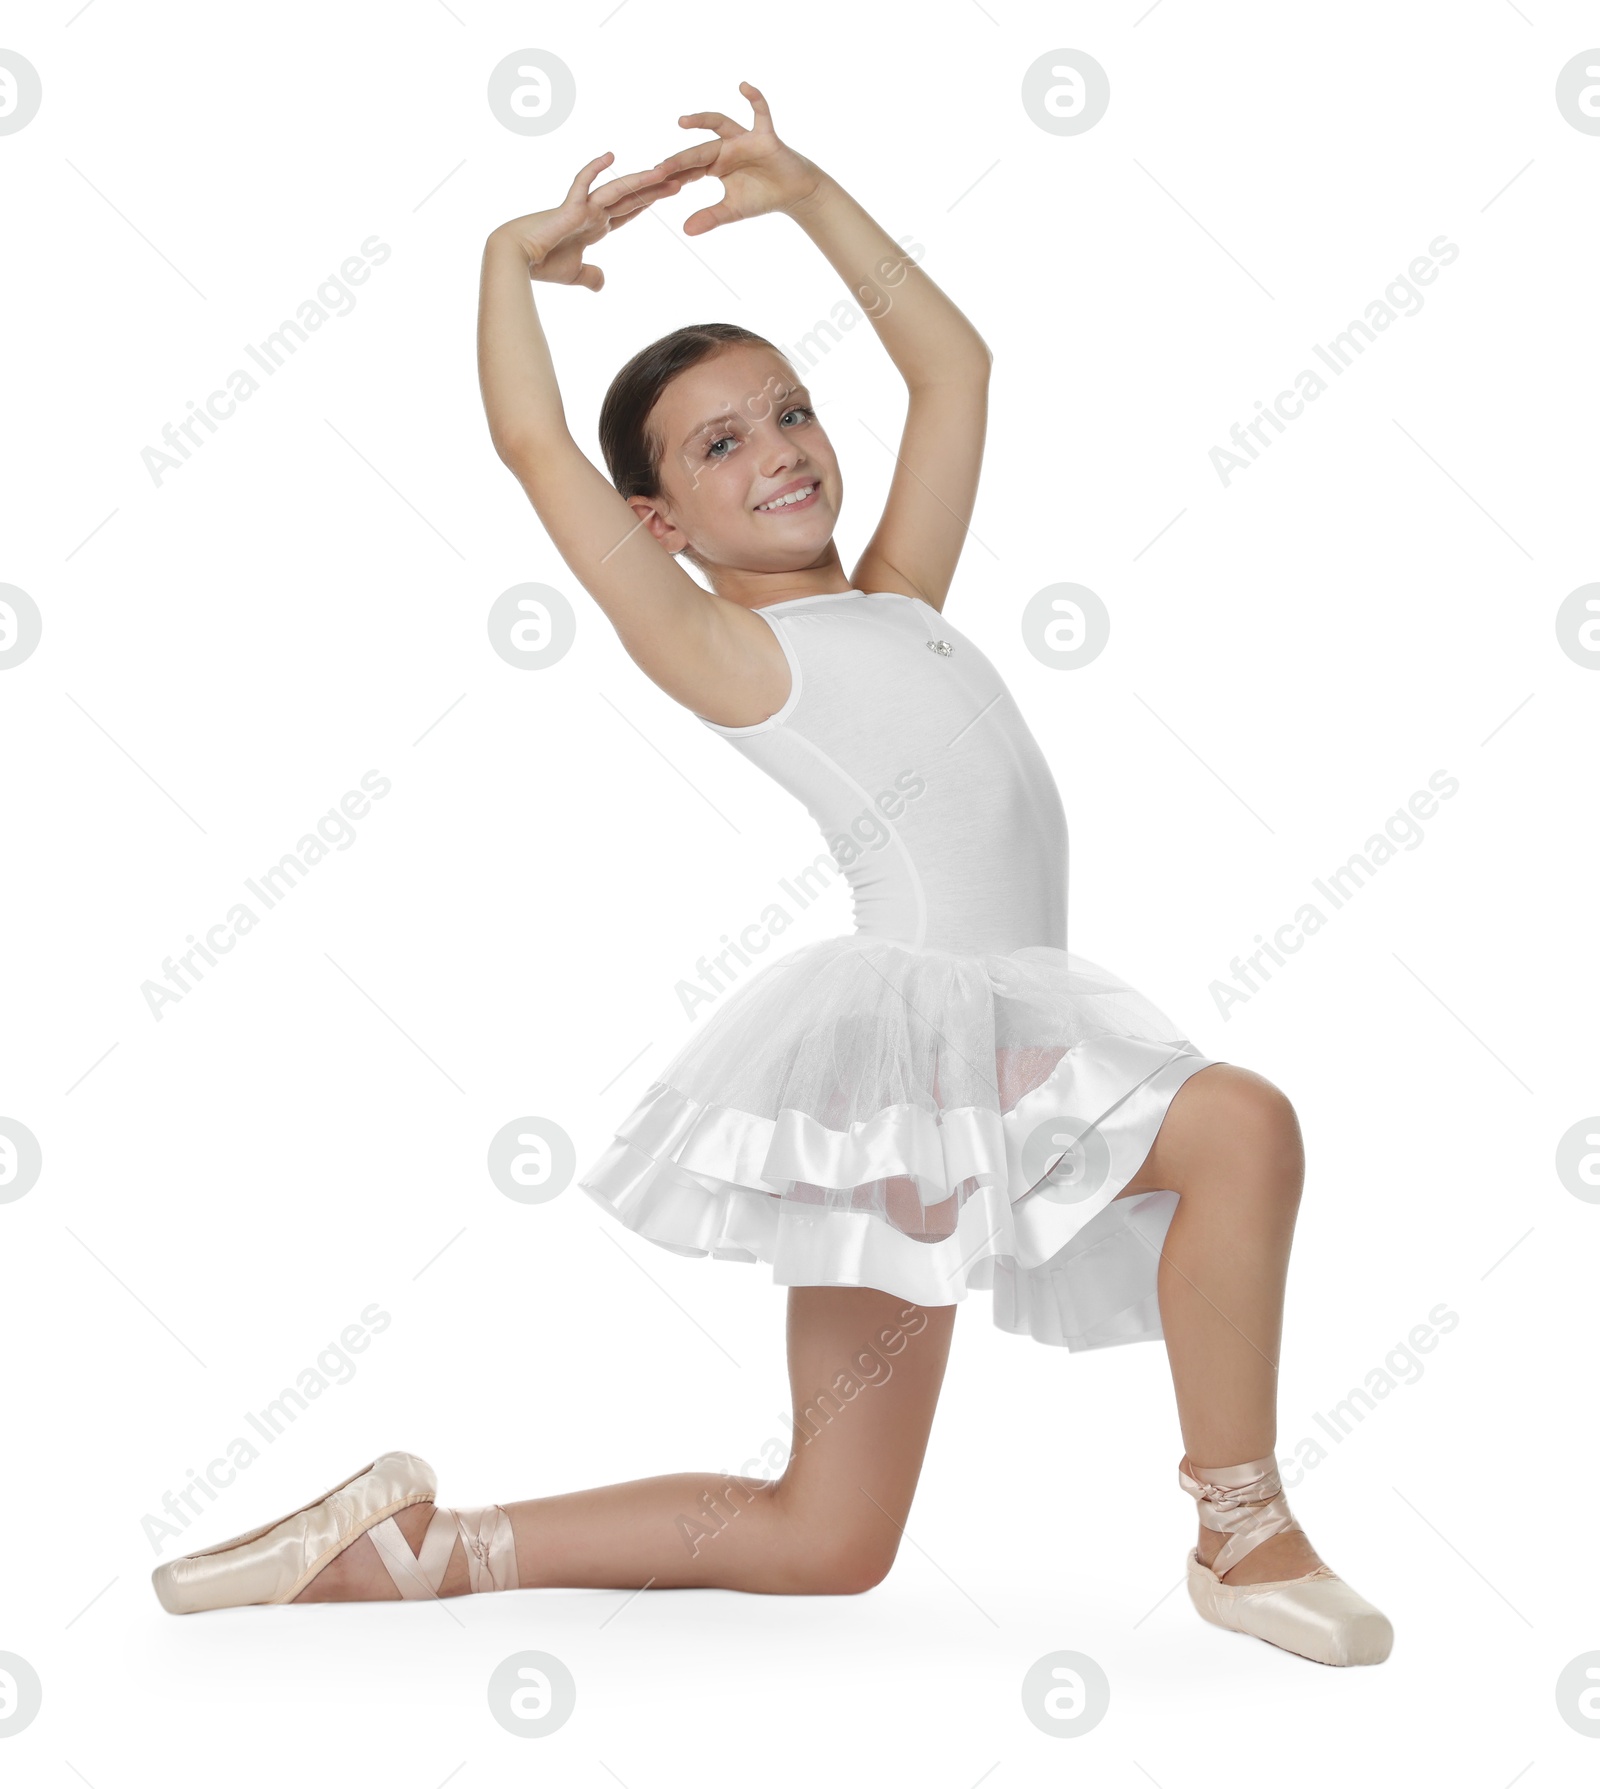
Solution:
(1400, 1366)
(868, 1366)
(1400, 832)
(867, 832)
(333, 298)
(810, 347)
(1338, 354)
(332, 1366)
(270, 888)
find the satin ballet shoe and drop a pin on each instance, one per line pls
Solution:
(1318, 1616)
(274, 1563)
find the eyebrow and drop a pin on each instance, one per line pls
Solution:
(716, 422)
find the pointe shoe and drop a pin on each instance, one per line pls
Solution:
(274, 1563)
(1318, 1616)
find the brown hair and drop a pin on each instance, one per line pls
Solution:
(633, 451)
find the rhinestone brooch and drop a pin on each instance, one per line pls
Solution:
(943, 646)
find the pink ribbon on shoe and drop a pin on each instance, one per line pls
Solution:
(486, 1538)
(491, 1547)
(1244, 1502)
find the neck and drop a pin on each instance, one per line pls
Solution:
(753, 589)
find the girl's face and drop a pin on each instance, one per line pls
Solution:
(738, 433)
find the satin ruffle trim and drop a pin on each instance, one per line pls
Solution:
(1069, 1268)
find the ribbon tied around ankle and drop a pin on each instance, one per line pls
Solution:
(1246, 1503)
(1257, 1490)
(490, 1546)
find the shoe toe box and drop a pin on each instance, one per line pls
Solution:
(271, 1564)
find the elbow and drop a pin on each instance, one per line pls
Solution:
(974, 360)
(510, 447)
(526, 439)
(968, 364)
(522, 452)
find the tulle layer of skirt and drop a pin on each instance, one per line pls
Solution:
(928, 1122)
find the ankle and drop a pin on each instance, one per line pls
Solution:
(1248, 1534)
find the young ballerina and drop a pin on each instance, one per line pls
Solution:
(945, 1099)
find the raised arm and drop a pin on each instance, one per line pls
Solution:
(686, 639)
(940, 355)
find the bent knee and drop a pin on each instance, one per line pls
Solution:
(849, 1574)
(1252, 1100)
(839, 1565)
(1234, 1111)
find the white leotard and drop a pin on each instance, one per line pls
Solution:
(932, 793)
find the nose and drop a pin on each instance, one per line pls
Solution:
(784, 455)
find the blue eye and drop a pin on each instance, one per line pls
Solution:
(794, 410)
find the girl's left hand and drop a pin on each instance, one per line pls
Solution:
(759, 172)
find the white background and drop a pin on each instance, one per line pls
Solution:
(225, 654)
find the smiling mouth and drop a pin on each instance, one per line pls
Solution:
(791, 500)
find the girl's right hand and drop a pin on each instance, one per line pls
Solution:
(554, 240)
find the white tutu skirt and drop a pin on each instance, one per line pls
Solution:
(928, 1122)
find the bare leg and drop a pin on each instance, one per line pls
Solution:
(1230, 1147)
(865, 1370)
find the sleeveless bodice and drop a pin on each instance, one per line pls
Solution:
(931, 792)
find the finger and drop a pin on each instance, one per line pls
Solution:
(589, 276)
(667, 188)
(628, 203)
(717, 121)
(624, 187)
(758, 104)
(580, 180)
(697, 155)
(688, 174)
(698, 222)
